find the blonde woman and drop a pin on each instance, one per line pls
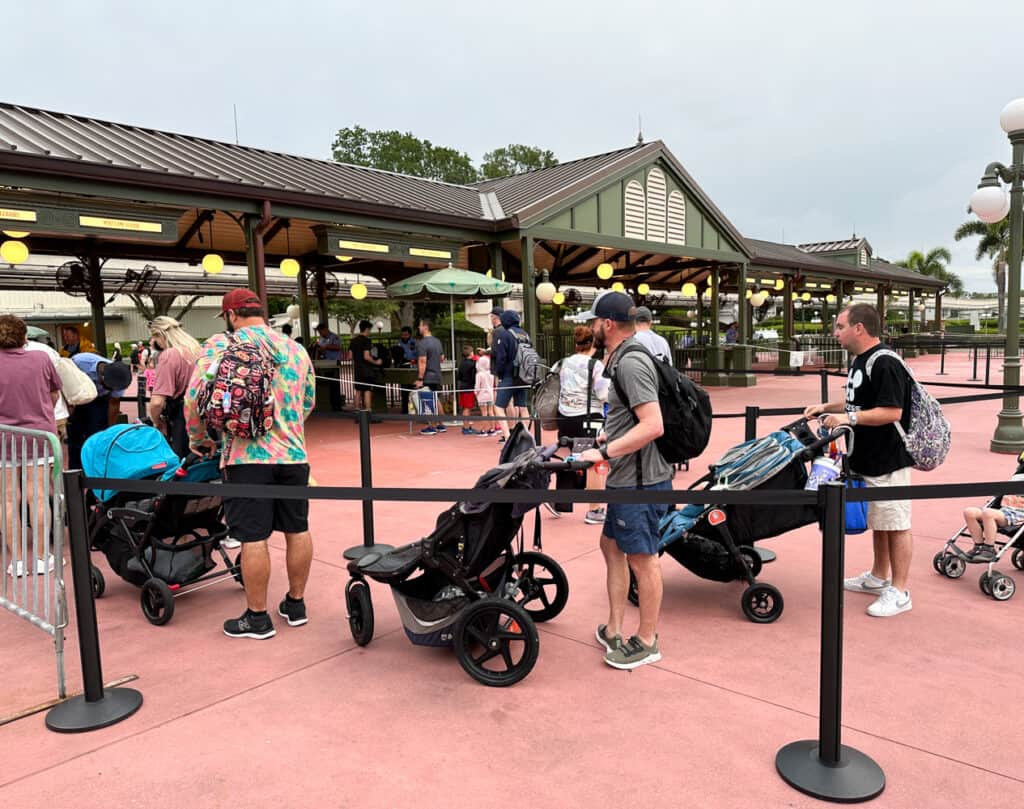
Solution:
(179, 352)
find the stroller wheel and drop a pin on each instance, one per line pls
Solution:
(985, 583)
(360, 611)
(752, 559)
(236, 573)
(99, 584)
(939, 563)
(634, 590)
(1002, 587)
(954, 567)
(542, 588)
(157, 601)
(496, 642)
(1018, 559)
(762, 603)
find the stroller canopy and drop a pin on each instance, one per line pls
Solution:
(129, 451)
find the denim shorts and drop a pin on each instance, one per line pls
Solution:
(506, 394)
(634, 526)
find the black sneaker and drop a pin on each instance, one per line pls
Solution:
(294, 611)
(250, 625)
(982, 552)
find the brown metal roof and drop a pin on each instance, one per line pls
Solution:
(76, 140)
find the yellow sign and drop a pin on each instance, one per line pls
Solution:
(120, 224)
(366, 247)
(425, 253)
(17, 216)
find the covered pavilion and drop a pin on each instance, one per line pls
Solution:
(97, 190)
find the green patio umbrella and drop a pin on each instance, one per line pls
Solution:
(451, 283)
(36, 333)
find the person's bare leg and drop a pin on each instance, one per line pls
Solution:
(299, 558)
(647, 569)
(901, 550)
(881, 565)
(501, 424)
(972, 518)
(990, 519)
(617, 582)
(256, 574)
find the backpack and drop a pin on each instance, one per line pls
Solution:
(527, 367)
(76, 386)
(238, 397)
(928, 437)
(545, 398)
(685, 409)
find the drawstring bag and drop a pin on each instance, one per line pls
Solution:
(856, 513)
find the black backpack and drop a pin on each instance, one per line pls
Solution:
(685, 410)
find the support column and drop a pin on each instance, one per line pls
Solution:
(304, 304)
(96, 301)
(321, 294)
(880, 304)
(910, 351)
(714, 356)
(939, 325)
(250, 223)
(787, 343)
(530, 320)
(742, 355)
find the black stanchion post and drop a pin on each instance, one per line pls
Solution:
(97, 707)
(824, 767)
(823, 373)
(988, 361)
(366, 481)
(750, 422)
(974, 373)
(942, 359)
(140, 395)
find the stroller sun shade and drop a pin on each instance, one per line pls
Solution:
(130, 451)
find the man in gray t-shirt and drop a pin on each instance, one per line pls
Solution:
(429, 351)
(629, 539)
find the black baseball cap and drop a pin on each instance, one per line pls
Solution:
(496, 311)
(610, 306)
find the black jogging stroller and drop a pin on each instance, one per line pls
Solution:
(717, 542)
(952, 560)
(470, 584)
(164, 544)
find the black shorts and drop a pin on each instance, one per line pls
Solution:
(254, 519)
(364, 383)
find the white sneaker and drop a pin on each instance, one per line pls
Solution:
(866, 582)
(16, 569)
(43, 564)
(595, 516)
(230, 544)
(890, 602)
(550, 509)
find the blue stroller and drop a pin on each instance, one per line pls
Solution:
(163, 544)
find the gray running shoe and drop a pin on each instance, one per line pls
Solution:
(609, 644)
(594, 517)
(632, 654)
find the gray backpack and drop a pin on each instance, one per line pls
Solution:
(528, 368)
(929, 436)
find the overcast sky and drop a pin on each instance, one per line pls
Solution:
(804, 121)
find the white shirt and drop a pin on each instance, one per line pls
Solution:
(654, 343)
(572, 376)
(60, 407)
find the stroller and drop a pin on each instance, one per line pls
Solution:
(952, 561)
(717, 542)
(469, 583)
(162, 543)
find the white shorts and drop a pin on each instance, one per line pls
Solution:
(889, 515)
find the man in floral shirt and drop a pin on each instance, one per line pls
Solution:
(276, 458)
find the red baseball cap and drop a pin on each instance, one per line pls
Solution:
(239, 299)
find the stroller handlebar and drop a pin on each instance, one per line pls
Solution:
(559, 465)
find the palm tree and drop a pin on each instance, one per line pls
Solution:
(934, 264)
(994, 243)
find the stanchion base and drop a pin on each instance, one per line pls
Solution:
(359, 551)
(766, 555)
(854, 779)
(76, 715)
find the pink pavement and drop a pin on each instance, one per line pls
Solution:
(308, 718)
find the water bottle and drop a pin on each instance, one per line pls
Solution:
(211, 372)
(225, 401)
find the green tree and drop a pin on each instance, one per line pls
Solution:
(515, 159)
(934, 264)
(350, 311)
(993, 243)
(153, 306)
(402, 152)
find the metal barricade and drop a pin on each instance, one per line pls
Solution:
(32, 529)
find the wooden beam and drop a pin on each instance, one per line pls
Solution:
(201, 219)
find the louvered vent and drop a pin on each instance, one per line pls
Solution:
(636, 209)
(676, 218)
(656, 206)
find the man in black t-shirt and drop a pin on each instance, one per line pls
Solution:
(877, 397)
(364, 366)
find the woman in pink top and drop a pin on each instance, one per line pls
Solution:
(28, 405)
(179, 352)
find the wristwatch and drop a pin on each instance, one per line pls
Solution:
(603, 449)
(852, 416)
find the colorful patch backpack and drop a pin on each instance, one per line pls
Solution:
(238, 396)
(929, 436)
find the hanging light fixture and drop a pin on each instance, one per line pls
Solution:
(358, 290)
(545, 291)
(707, 294)
(16, 234)
(750, 294)
(758, 298)
(489, 273)
(618, 286)
(643, 289)
(343, 258)
(289, 267)
(780, 284)
(14, 251)
(293, 311)
(690, 289)
(805, 297)
(212, 262)
(830, 299)
(605, 271)
(558, 299)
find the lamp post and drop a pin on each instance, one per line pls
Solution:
(990, 204)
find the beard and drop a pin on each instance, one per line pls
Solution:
(229, 327)
(598, 338)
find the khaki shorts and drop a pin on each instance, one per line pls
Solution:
(889, 515)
